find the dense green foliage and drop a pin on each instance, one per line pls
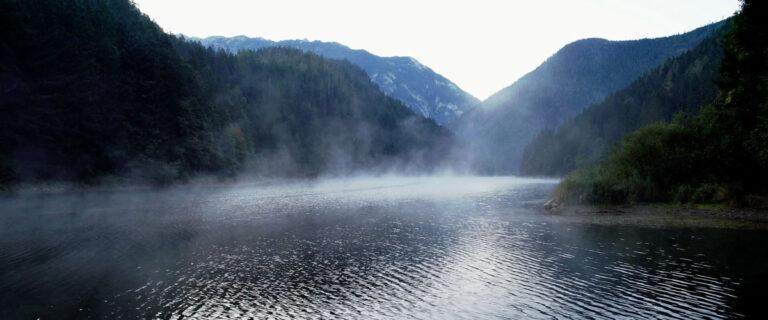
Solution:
(93, 89)
(579, 75)
(682, 84)
(719, 155)
(655, 163)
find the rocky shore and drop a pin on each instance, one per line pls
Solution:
(661, 215)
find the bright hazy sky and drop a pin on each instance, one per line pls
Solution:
(481, 45)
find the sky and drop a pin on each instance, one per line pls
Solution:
(481, 45)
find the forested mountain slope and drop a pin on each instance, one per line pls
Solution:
(719, 155)
(420, 88)
(682, 84)
(580, 74)
(94, 90)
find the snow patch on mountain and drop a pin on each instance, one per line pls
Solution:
(404, 78)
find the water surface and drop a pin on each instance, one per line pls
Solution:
(366, 248)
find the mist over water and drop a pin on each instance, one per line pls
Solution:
(360, 248)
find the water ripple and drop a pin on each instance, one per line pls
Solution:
(406, 249)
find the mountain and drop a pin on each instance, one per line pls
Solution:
(719, 155)
(578, 75)
(417, 86)
(93, 90)
(682, 84)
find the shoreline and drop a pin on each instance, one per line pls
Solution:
(663, 215)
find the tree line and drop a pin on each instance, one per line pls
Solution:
(94, 91)
(719, 155)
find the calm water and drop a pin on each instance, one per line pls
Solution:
(395, 248)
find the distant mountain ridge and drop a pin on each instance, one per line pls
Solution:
(578, 75)
(404, 78)
(94, 91)
(683, 84)
(718, 156)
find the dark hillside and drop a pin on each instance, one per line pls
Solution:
(93, 89)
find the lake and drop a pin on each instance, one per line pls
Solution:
(361, 248)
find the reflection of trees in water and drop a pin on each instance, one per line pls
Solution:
(682, 272)
(222, 253)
